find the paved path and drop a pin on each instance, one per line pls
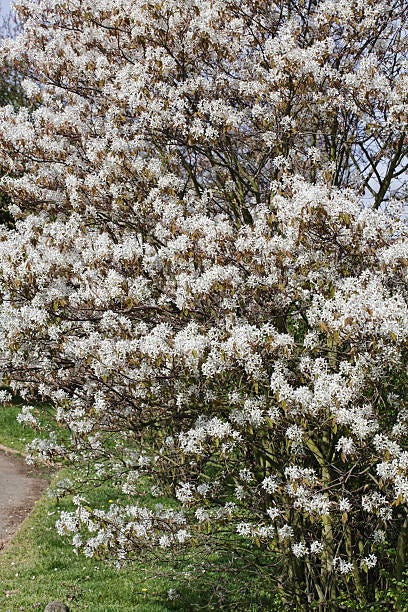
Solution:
(19, 489)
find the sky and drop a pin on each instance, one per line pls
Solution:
(5, 5)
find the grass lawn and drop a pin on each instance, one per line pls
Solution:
(39, 566)
(12, 433)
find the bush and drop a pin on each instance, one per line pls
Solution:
(207, 277)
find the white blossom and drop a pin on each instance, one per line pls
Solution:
(300, 549)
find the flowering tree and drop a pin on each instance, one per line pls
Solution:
(207, 277)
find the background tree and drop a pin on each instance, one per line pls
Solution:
(207, 278)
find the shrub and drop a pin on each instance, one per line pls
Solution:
(207, 277)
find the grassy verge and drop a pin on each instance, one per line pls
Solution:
(12, 433)
(39, 566)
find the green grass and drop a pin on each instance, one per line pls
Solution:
(39, 566)
(12, 433)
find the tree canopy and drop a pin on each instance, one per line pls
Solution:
(206, 282)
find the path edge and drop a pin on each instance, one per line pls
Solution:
(11, 451)
(4, 543)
